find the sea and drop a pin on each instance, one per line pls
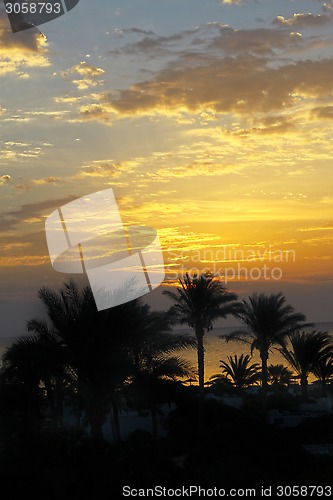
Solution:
(216, 349)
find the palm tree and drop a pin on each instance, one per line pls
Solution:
(94, 345)
(199, 301)
(239, 371)
(37, 359)
(153, 355)
(306, 352)
(68, 312)
(19, 369)
(323, 370)
(99, 350)
(268, 320)
(279, 376)
(156, 371)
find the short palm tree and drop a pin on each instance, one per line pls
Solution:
(305, 352)
(199, 301)
(279, 376)
(268, 321)
(155, 375)
(323, 370)
(154, 357)
(239, 371)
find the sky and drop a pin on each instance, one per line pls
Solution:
(211, 121)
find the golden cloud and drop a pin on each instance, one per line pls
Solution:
(241, 85)
(247, 73)
(89, 74)
(233, 2)
(85, 83)
(96, 112)
(85, 69)
(323, 112)
(45, 181)
(108, 168)
(26, 49)
(303, 20)
(5, 179)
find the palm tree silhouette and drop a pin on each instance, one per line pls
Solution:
(20, 370)
(157, 365)
(153, 355)
(323, 370)
(306, 352)
(279, 376)
(72, 315)
(38, 359)
(96, 353)
(199, 301)
(239, 371)
(94, 347)
(268, 320)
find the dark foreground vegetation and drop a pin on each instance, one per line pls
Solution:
(231, 449)
(94, 363)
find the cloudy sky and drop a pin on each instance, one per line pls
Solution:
(211, 121)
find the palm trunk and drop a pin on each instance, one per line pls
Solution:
(55, 401)
(96, 418)
(264, 379)
(136, 363)
(115, 422)
(59, 403)
(78, 410)
(153, 410)
(33, 410)
(199, 332)
(323, 388)
(96, 428)
(96, 431)
(304, 388)
(50, 400)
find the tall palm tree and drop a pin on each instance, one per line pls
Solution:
(323, 370)
(279, 376)
(268, 321)
(100, 350)
(199, 301)
(305, 352)
(94, 346)
(239, 371)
